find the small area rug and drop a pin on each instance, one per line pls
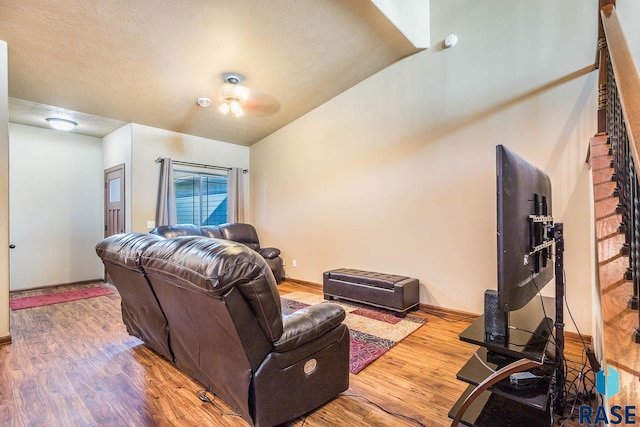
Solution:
(58, 297)
(373, 331)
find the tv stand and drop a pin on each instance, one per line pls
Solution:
(491, 399)
(490, 396)
(495, 378)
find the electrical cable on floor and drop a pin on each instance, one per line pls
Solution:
(575, 391)
(395, 414)
(202, 395)
(561, 364)
(587, 393)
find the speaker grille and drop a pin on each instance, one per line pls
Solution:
(495, 320)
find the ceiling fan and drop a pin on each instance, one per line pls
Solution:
(235, 99)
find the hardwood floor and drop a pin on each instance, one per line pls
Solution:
(73, 364)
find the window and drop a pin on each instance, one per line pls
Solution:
(201, 198)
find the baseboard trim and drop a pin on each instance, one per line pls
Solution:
(427, 308)
(304, 283)
(574, 336)
(444, 311)
(59, 285)
(5, 340)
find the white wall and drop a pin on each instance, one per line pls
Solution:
(117, 151)
(4, 194)
(398, 173)
(56, 205)
(411, 17)
(149, 143)
(628, 12)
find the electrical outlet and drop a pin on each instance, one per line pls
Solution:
(283, 262)
(151, 224)
(294, 263)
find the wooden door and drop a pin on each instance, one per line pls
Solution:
(114, 200)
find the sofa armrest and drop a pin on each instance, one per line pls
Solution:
(307, 324)
(269, 252)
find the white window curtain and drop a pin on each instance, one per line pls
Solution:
(235, 201)
(166, 213)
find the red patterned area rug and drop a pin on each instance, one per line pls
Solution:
(58, 297)
(373, 331)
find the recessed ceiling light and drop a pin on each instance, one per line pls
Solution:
(61, 124)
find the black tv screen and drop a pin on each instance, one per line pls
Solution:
(524, 244)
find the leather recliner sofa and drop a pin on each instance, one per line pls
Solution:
(141, 311)
(226, 327)
(236, 232)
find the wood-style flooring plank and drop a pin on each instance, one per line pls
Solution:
(73, 364)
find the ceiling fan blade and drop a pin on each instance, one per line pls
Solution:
(261, 104)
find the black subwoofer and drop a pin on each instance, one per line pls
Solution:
(495, 320)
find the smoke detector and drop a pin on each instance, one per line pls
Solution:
(204, 102)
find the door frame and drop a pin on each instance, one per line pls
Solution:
(123, 198)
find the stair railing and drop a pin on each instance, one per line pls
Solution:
(622, 106)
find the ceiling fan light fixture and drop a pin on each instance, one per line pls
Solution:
(231, 106)
(224, 108)
(61, 124)
(234, 79)
(233, 96)
(236, 109)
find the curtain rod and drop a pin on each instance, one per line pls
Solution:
(200, 165)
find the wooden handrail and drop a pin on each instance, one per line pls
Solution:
(601, 63)
(627, 78)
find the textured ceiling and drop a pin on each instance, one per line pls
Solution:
(148, 61)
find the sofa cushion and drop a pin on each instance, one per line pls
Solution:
(125, 249)
(214, 266)
(269, 252)
(176, 230)
(307, 324)
(212, 231)
(241, 233)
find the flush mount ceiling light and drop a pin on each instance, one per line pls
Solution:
(233, 96)
(61, 124)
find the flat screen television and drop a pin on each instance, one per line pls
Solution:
(524, 238)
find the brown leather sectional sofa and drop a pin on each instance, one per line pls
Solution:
(212, 307)
(234, 231)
